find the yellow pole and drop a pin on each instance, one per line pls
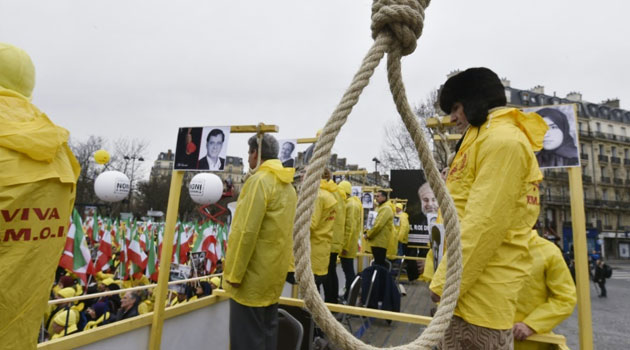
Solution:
(581, 263)
(165, 262)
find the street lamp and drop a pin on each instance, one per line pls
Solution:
(133, 168)
(376, 174)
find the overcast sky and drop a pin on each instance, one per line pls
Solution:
(141, 69)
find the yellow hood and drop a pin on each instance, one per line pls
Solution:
(17, 72)
(275, 166)
(530, 123)
(328, 186)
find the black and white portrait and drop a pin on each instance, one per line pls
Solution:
(356, 191)
(560, 146)
(214, 142)
(371, 219)
(367, 199)
(287, 152)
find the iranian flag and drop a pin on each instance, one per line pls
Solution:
(153, 263)
(104, 252)
(135, 253)
(207, 242)
(76, 255)
(182, 244)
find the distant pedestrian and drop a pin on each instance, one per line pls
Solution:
(600, 277)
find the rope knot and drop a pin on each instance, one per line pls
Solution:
(403, 20)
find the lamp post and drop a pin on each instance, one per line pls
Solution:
(133, 168)
(376, 174)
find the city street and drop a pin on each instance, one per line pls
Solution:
(611, 316)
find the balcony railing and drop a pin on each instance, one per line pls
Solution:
(605, 180)
(602, 158)
(585, 133)
(587, 179)
(584, 156)
(617, 181)
(555, 199)
(626, 161)
(615, 160)
(557, 175)
(627, 181)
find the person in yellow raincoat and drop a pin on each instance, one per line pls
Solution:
(321, 227)
(259, 248)
(37, 182)
(353, 226)
(547, 297)
(331, 286)
(65, 323)
(392, 245)
(379, 235)
(493, 181)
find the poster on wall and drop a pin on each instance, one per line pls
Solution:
(201, 148)
(560, 145)
(287, 152)
(412, 186)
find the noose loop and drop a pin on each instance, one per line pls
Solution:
(396, 26)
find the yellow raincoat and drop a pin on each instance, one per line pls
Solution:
(321, 229)
(380, 234)
(403, 228)
(354, 226)
(340, 219)
(548, 296)
(494, 184)
(260, 241)
(392, 246)
(37, 183)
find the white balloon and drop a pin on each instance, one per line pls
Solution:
(205, 188)
(112, 186)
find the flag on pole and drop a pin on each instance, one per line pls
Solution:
(152, 263)
(76, 256)
(104, 254)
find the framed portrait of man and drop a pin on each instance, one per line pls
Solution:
(287, 152)
(367, 199)
(356, 191)
(214, 141)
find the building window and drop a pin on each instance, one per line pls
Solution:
(625, 153)
(615, 172)
(580, 126)
(605, 194)
(610, 129)
(623, 131)
(581, 147)
(606, 219)
(601, 149)
(603, 173)
(613, 150)
(598, 126)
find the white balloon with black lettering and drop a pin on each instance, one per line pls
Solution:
(205, 188)
(112, 186)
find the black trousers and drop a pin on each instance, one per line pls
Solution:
(347, 264)
(253, 327)
(379, 256)
(331, 286)
(602, 287)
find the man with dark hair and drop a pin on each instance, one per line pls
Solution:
(493, 181)
(379, 235)
(214, 145)
(259, 248)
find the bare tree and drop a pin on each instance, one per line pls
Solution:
(84, 151)
(128, 157)
(400, 152)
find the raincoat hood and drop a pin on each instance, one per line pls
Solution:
(532, 124)
(17, 72)
(328, 186)
(27, 130)
(275, 166)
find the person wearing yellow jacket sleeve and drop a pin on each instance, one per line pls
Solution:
(547, 298)
(321, 227)
(392, 245)
(331, 286)
(403, 226)
(379, 235)
(259, 247)
(38, 186)
(493, 181)
(353, 226)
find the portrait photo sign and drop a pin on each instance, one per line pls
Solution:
(201, 148)
(560, 146)
(287, 152)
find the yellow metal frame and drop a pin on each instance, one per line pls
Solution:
(436, 122)
(350, 172)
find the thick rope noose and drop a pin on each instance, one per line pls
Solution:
(396, 26)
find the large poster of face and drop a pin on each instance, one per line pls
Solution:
(560, 146)
(287, 152)
(412, 186)
(214, 141)
(356, 191)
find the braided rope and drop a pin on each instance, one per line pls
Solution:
(396, 26)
